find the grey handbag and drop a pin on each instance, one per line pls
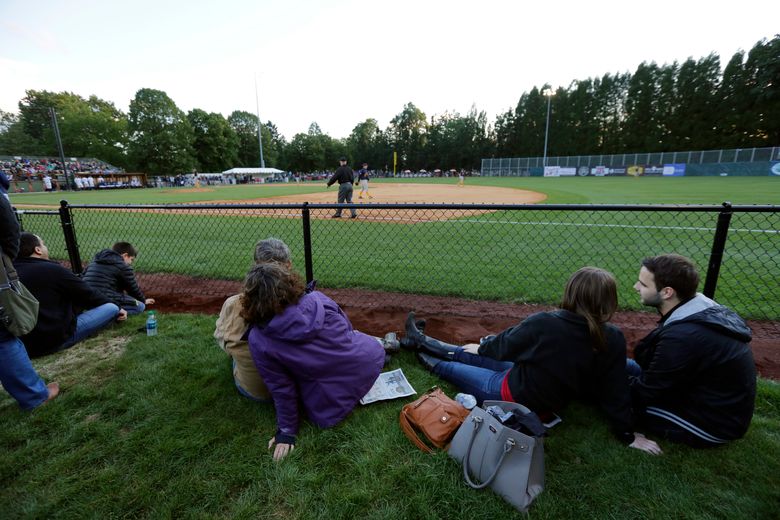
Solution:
(510, 462)
(18, 307)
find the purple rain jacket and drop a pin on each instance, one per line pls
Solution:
(310, 354)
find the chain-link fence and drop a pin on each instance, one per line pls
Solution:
(520, 165)
(514, 253)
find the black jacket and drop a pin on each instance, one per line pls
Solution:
(555, 363)
(698, 365)
(343, 174)
(109, 275)
(9, 229)
(9, 241)
(61, 294)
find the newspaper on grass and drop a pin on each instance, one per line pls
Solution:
(389, 385)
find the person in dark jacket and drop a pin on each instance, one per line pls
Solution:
(111, 274)
(61, 296)
(345, 177)
(693, 378)
(17, 374)
(307, 352)
(548, 359)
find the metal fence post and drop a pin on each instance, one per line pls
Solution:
(69, 233)
(718, 245)
(18, 215)
(307, 243)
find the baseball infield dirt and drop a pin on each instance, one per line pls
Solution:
(454, 320)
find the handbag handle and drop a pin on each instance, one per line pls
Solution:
(508, 445)
(7, 271)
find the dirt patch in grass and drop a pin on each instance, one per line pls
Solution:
(455, 320)
(89, 361)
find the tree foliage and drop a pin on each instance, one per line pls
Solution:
(691, 105)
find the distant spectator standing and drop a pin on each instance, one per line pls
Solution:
(363, 176)
(47, 183)
(693, 379)
(345, 177)
(60, 294)
(111, 274)
(17, 374)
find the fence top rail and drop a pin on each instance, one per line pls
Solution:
(36, 211)
(431, 206)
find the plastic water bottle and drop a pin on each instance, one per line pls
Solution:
(151, 324)
(467, 400)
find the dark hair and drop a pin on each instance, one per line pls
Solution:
(268, 289)
(124, 247)
(675, 271)
(592, 293)
(27, 244)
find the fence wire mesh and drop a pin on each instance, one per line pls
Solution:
(519, 254)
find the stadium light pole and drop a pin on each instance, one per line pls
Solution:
(259, 126)
(549, 94)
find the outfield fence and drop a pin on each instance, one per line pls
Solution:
(514, 253)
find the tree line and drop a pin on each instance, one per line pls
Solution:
(672, 107)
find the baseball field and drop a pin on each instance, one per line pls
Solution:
(152, 427)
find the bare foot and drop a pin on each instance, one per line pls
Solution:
(54, 391)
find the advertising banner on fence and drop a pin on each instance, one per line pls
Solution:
(674, 170)
(635, 170)
(775, 168)
(551, 171)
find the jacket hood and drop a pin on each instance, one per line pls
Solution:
(108, 256)
(706, 312)
(298, 322)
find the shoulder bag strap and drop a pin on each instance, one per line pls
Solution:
(8, 272)
(409, 431)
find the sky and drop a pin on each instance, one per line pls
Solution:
(340, 62)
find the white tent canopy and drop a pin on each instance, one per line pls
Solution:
(251, 171)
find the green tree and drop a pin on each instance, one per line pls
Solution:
(215, 143)
(640, 125)
(13, 139)
(407, 133)
(763, 68)
(368, 143)
(160, 135)
(694, 123)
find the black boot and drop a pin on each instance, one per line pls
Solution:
(429, 362)
(406, 342)
(421, 341)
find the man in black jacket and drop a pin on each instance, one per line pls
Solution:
(345, 177)
(111, 274)
(17, 374)
(693, 379)
(61, 295)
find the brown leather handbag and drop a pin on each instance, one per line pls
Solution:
(435, 416)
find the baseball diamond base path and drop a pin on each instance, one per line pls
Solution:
(454, 320)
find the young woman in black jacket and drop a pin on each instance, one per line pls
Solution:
(549, 358)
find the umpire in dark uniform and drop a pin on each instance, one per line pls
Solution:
(345, 177)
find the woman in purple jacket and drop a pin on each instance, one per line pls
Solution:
(306, 351)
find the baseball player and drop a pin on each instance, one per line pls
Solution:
(363, 179)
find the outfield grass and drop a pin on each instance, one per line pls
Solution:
(522, 256)
(153, 427)
(562, 190)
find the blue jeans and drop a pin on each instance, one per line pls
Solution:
(17, 374)
(132, 310)
(632, 368)
(479, 376)
(90, 322)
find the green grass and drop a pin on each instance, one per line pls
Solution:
(523, 256)
(153, 427)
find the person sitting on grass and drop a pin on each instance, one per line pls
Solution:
(693, 378)
(548, 359)
(111, 274)
(231, 327)
(17, 375)
(61, 295)
(306, 351)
